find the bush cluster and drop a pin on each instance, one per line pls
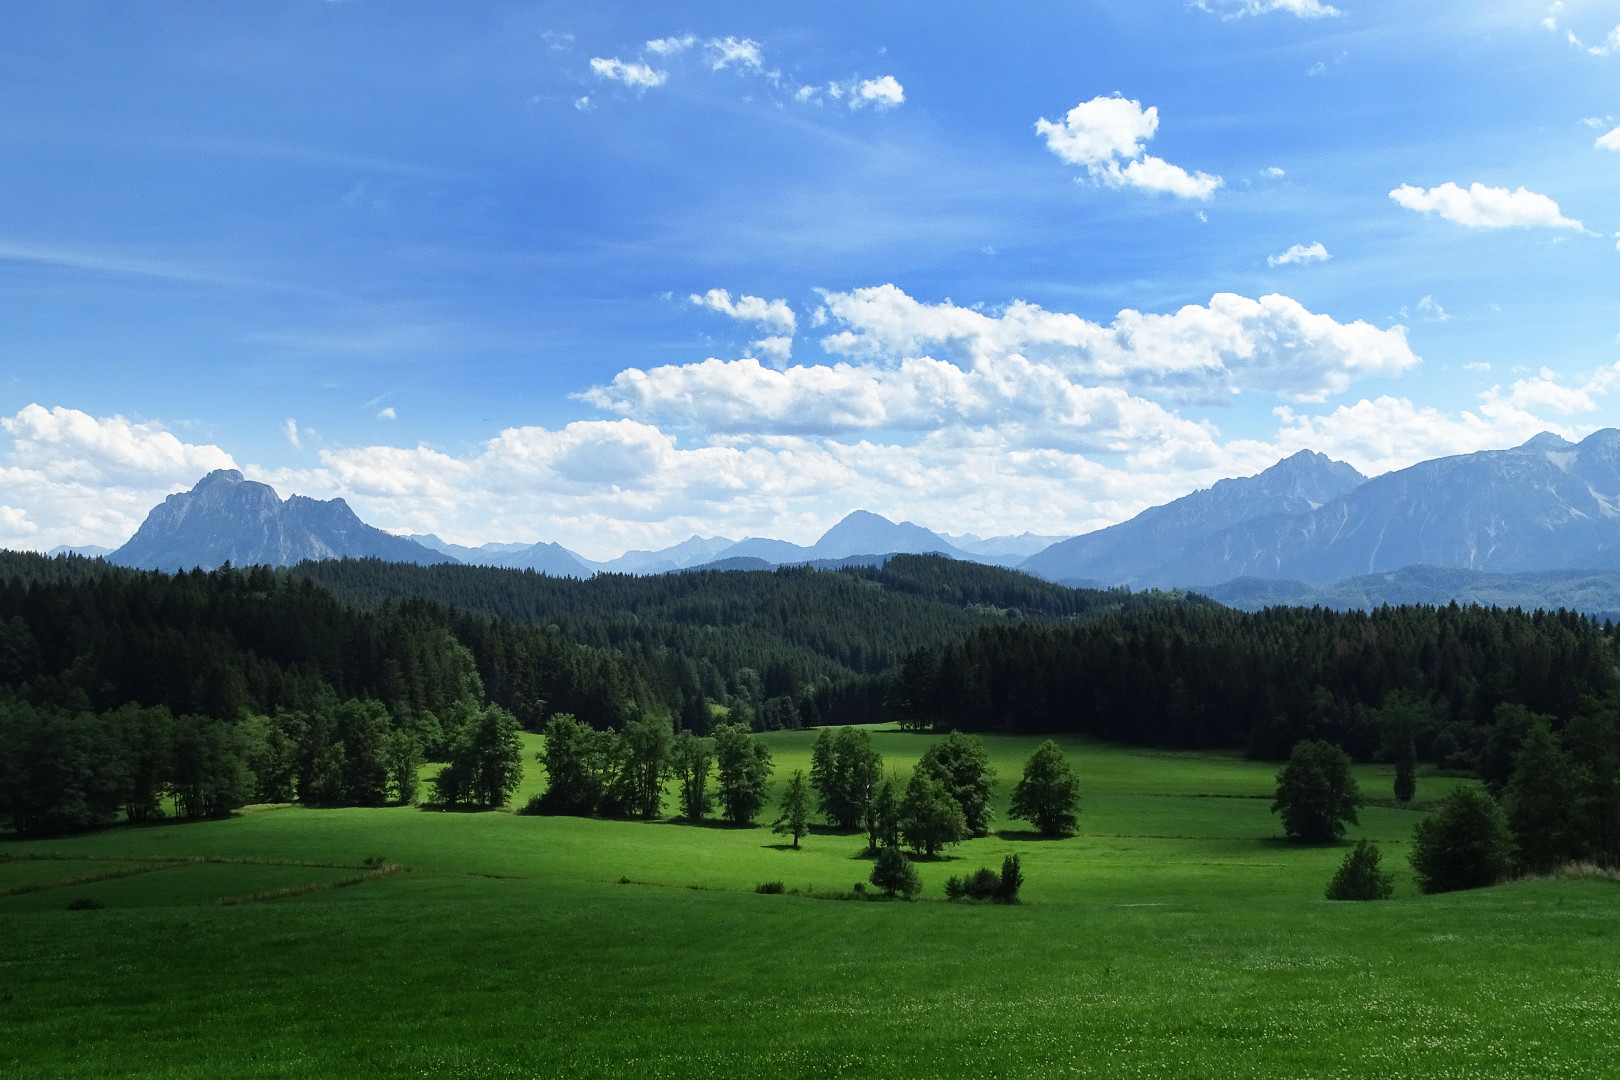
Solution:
(985, 884)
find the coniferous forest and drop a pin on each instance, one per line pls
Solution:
(330, 682)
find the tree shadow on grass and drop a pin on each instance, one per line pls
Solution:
(1282, 843)
(1021, 836)
(707, 823)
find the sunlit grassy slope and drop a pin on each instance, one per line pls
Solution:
(1175, 936)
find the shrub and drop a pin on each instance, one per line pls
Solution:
(985, 884)
(1465, 844)
(893, 873)
(771, 888)
(1358, 877)
(86, 903)
(1012, 879)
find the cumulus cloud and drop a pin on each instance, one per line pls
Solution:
(772, 313)
(1271, 345)
(290, 430)
(1431, 311)
(601, 486)
(1237, 9)
(636, 75)
(1300, 253)
(1108, 135)
(1273, 172)
(881, 93)
(79, 479)
(387, 414)
(1611, 141)
(1481, 207)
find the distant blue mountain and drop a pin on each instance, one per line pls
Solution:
(226, 518)
(1591, 592)
(859, 533)
(1546, 505)
(1152, 548)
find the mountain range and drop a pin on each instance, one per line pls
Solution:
(1537, 524)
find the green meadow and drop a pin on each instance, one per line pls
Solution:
(1175, 936)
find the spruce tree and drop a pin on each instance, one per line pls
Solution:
(1541, 803)
(745, 769)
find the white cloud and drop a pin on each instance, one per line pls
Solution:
(1300, 253)
(290, 429)
(77, 479)
(583, 104)
(635, 75)
(744, 53)
(772, 313)
(882, 93)
(1105, 131)
(1270, 345)
(1481, 207)
(1272, 171)
(1478, 365)
(671, 46)
(1430, 310)
(1318, 68)
(388, 414)
(1237, 9)
(1611, 141)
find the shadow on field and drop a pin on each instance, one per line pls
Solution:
(1282, 843)
(1026, 836)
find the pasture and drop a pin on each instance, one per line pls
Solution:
(1175, 936)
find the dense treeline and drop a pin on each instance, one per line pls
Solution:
(1197, 676)
(747, 637)
(76, 634)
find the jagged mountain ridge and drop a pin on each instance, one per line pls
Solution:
(226, 518)
(1149, 549)
(1546, 505)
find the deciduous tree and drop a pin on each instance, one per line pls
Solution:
(1049, 793)
(1316, 793)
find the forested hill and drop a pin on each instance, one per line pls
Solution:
(792, 626)
(1189, 676)
(81, 634)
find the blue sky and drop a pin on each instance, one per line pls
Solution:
(986, 267)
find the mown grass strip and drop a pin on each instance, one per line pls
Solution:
(309, 887)
(83, 879)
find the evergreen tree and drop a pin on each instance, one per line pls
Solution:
(1316, 793)
(361, 727)
(1593, 739)
(962, 764)
(1541, 802)
(1049, 793)
(795, 817)
(929, 818)
(1405, 771)
(690, 762)
(1359, 878)
(1011, 880)
(744, 771)
(893, 873)
(1463, 844)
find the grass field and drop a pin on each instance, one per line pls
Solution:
(1176, 936)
